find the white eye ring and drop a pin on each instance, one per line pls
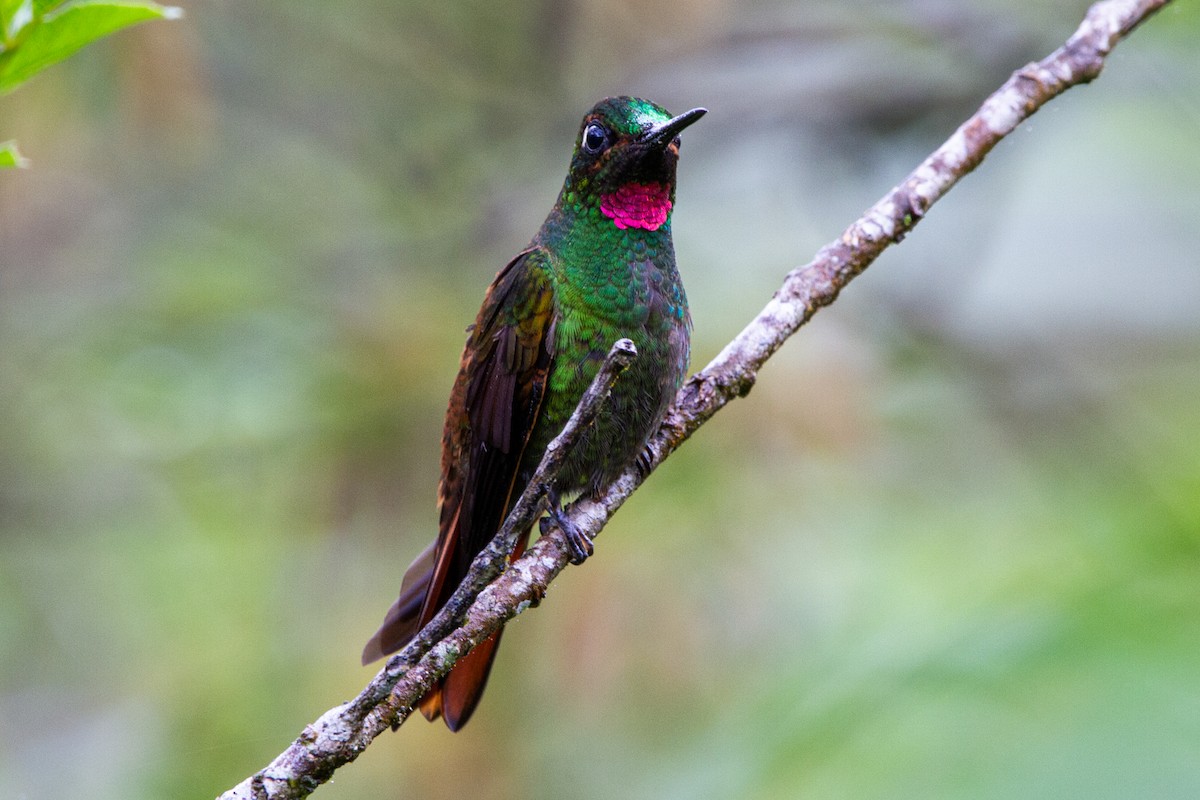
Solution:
(594, 138)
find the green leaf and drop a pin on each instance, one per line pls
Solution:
(43, 7)
(14, 16)
(10, 156)
(59, 35)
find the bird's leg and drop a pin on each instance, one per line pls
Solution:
(579, 546)
(643, 461)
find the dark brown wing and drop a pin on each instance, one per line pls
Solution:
(493, 407)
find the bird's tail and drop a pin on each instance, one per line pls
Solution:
(455, 695)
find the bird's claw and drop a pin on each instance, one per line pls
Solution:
(578, 542)
(579, 545)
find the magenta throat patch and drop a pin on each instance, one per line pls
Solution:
(637, 205)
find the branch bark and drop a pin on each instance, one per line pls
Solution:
(489, 597)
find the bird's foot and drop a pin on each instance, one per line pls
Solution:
(579, 545)
(643, 461)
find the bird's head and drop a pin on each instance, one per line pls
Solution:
(624, 161)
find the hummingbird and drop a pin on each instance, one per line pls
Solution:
(601, 268)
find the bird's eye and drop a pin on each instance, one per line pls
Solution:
(594, 138)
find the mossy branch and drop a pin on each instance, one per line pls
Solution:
(483, 604)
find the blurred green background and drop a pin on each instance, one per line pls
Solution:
(948, 547)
